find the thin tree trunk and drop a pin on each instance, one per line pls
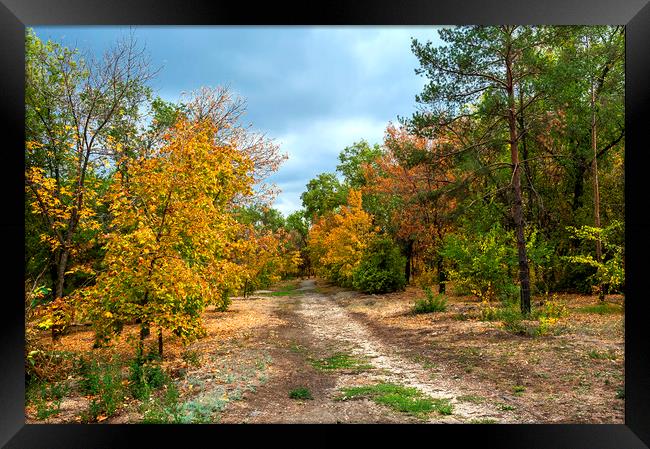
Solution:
(160, 343)
(60, 284)
(409, 255)
(594, 167)
(517, 207)
(442, 275)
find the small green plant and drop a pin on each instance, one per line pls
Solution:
(604, 308)
(518, 390)
(144, 377)
(340, 360)
(103, 381)
(506, 407)
(164, 409)
(602, 355)
(431, 303)
(483, 421)
(471, 398)
(47, 398)
(620, 393)
(404, 399)
(192, 358)
(300, 393)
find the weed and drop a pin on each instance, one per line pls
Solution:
(518, 390)
(471, 398)
(144, 377)
(164, 409)
(340, 360)
(602, 309)
(506, 407)
(483, 421)
(103, 381)
(47, 398)
(620, 393)
(404, 399)
(432, 302)
(300, 393)
(602, 355)
(192, 358)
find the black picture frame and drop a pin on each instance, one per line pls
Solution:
(16, 14)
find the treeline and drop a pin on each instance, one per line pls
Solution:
(508, 179)
(139, 210)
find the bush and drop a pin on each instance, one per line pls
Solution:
(432, 303)
(482, 263)
(300, 393)
(103, 380)
(144, 377)
(381, 269)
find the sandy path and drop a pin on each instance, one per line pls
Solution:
(326, 320)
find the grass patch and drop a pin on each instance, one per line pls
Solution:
(605, 308)
(483, 421)
(602, 355)
(471, 398)
(340, 360)
(300, 393)
(431, 303)
(506, 407)
(287, 290)
(407, 400)
(620, 393)
(518, 390)
(47, 398)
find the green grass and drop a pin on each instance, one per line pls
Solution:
(431, 303)
(407, 400)
(602, 355)
(620, 393)
(602, 309)
(506, 407)
(340, 360)
(518, 390)
(300, 393)
(471, 398)
(287, 290)
(483, 421)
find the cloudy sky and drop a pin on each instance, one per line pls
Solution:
(314, 90)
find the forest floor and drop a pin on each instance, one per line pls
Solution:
(308, 352)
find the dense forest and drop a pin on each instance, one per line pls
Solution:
(508, 180)
(506, 183)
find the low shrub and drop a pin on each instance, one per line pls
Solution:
(431, 303)
(381, 269)
(300, 393)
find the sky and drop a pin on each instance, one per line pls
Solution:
(312, 90)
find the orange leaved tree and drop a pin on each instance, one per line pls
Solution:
(171, 248)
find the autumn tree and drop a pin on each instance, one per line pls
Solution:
(490, 64)
(173, 239)
(74, 106)
(337, 240)
(412, 178)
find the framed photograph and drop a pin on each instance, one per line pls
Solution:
(348, 213)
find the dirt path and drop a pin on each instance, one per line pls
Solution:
(315, 327)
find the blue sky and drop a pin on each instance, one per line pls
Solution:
(313, 90)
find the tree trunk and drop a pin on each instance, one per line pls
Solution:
(594, 167)
(409, 255)
(144, 332)
(160, 343)
(517, 207)
(61, 266)
(442, 275)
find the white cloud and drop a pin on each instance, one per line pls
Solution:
(313, 148)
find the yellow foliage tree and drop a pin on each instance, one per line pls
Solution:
(337, 241)
(174, 239)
